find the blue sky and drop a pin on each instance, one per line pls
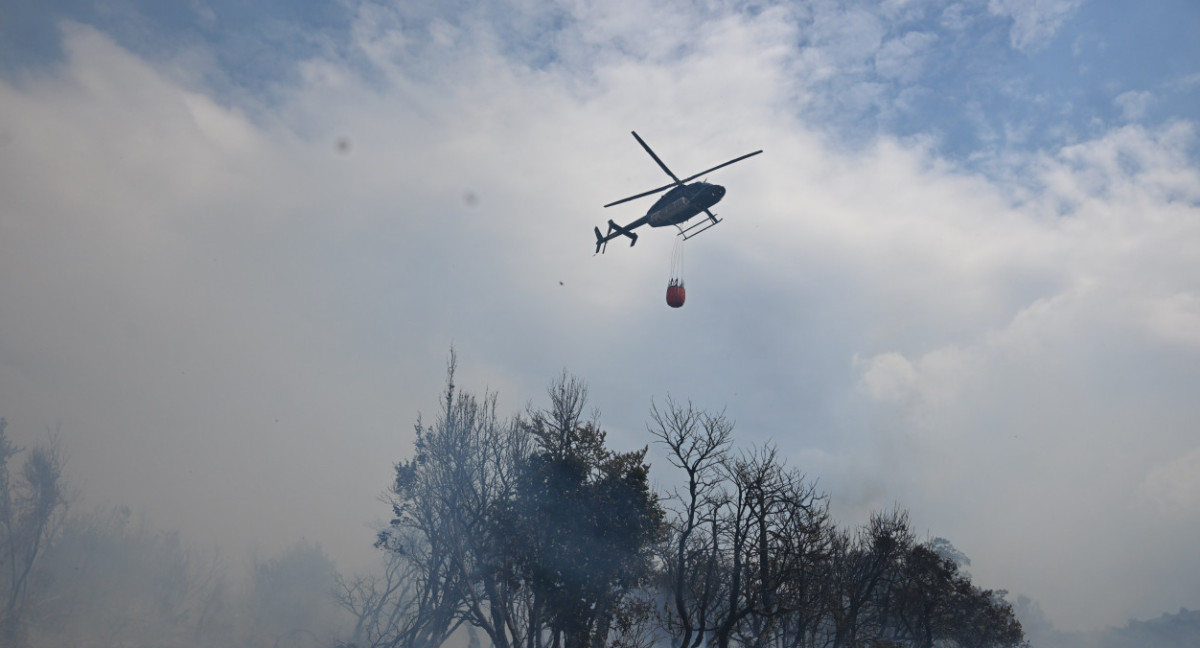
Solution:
(237, 245)
(977, 76)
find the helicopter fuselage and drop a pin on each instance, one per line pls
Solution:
(683, 202)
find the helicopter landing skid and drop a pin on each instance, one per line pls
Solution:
(703, 225)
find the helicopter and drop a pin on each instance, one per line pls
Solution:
(677, 206)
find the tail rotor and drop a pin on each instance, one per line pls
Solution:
(602, 240)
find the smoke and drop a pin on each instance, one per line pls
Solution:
(111, 578)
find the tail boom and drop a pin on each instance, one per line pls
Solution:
(614, 231)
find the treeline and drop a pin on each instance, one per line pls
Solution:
(523, 532)
(530, 531)
(1177, 630)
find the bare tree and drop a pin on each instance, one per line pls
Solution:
(381, 603)
(749, 537)
(697, 444)
(792, 548)
(29, 506)
(774, 523)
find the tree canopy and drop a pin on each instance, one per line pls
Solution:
(534, 532)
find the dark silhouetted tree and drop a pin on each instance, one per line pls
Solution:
(582, 524)
(771, 533)
(530, 530)
(863, 569)
(889, 588)
(748, 538)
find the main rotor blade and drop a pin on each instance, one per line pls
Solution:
(677, 182)
(737, 159)
(644, 193)
(660, 162)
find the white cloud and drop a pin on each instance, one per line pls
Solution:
(932, 381)
(1176, 319)
(889, 377)
(1034, 21)
(901, 58)
(1052, 356)
(1134, 104)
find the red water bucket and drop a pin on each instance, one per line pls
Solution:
(675, 295)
